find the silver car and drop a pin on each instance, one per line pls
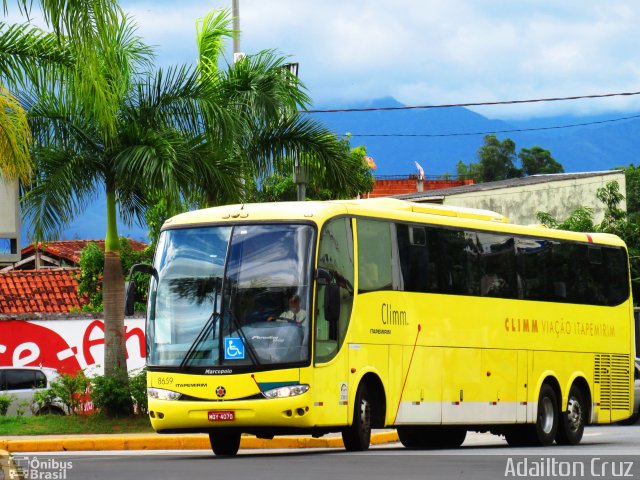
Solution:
(21, 383)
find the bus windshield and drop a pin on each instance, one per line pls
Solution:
(231, 296)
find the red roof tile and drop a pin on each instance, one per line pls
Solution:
(70, 249)
(36, 291)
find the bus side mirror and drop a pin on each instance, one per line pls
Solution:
(332, 303)
(129, 301)
(323, 276)
(130, 297)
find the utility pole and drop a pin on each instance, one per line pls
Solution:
(300, 172)
(235, 11)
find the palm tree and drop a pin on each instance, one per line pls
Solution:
(153, 142)
(188, 132)
(267, 98)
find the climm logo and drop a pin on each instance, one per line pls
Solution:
(393, 317)
(520, 325)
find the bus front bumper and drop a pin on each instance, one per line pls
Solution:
(188, 415)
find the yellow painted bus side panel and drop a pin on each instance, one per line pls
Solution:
(420, 372)
(330, 387)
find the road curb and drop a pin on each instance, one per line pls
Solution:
(178, 442)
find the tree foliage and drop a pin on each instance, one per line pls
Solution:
(92, 272)
(497, 160)
(279, 186)
(632, 181)
(537, 160)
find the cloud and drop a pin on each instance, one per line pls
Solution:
(431, 51)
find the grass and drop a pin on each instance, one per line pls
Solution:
(73, 424)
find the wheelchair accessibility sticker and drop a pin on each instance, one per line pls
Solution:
(233, 348)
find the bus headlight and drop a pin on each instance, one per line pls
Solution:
(162, 394)
(290, 391)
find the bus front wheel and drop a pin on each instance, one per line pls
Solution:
(225, 443)
(357, 437)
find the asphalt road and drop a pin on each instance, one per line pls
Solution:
(605, 452)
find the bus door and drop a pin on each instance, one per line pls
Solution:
(334, 301)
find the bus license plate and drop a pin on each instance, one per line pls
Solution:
(222, 415)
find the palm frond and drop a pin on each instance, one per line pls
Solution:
(133, 202)
(104, 83)
(15, 138)
(302, 138)
(261, 85)
(211, 33)
(63, 185)
(168, 96)
(28, 53)
(119, 42)
(217, 176)
(59, 119)
(74, 18)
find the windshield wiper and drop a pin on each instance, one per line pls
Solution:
(202, 336)
(252, 353)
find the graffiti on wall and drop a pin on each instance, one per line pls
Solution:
(66, 345)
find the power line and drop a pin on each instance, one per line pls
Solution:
(471, 104)
(514, 130)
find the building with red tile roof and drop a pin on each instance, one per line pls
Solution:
(63, 253)
(40, 291)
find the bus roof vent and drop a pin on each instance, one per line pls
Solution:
(460, 212)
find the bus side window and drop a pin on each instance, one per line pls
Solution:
(418, 270)
(376, 260)
(336, 257)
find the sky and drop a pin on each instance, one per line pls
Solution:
(424, 52)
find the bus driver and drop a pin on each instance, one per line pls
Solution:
(294, 314)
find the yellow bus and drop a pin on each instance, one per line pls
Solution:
(343, 316)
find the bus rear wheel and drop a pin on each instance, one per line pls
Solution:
(431, 437)
(225, 443)
(543, 432)
(572, 421)
(357, 437)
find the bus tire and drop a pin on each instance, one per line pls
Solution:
(225, 443)
(431, 437)
(572, 421)
(357, 437)
(543, 432)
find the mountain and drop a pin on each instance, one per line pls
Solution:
(600, 146)
(92, 225)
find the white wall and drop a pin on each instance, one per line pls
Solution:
(559, 198)
(67, 345)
